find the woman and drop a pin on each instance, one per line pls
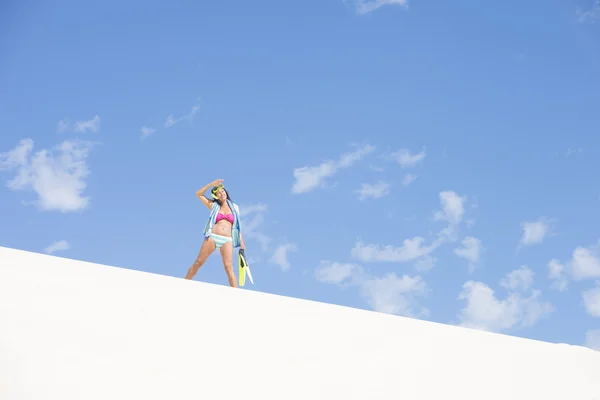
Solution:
(222, 230)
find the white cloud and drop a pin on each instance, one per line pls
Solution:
(534, 232)
(486, 312)
(591, 299)
(394, 295)
(406, 159)
(410, 250)
(92, 125)
(16, 157)
(453, 208)
(591, 15)
(338, 273)
(57, 177)
(408, 179)
(250, 209)
(252, 218)
(414, 249)
(453, 211)
(518, 279)
(189, 117)
(349, 159)
(592, 339)
(585, 263)
(470, 250)
(367, 6)
(310, 178)
(373, 191)
(556, 272)
(280, 256)
(388, 294)
(146, 131)
(60, 245)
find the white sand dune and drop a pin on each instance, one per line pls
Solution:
(72, 330)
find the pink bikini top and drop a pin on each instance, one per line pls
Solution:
(228, 217)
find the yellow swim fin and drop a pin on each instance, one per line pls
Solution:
(243, 268)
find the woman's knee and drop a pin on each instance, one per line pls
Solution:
(201, 259)
(198, 263)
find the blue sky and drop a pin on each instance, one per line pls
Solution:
(427, 159)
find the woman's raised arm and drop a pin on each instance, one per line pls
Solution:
(200, 193)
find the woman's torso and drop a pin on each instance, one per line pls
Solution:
(224, 225)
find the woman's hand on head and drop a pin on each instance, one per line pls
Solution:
(217, 182)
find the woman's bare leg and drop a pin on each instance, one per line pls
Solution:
(227, 255)
(208, 246)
